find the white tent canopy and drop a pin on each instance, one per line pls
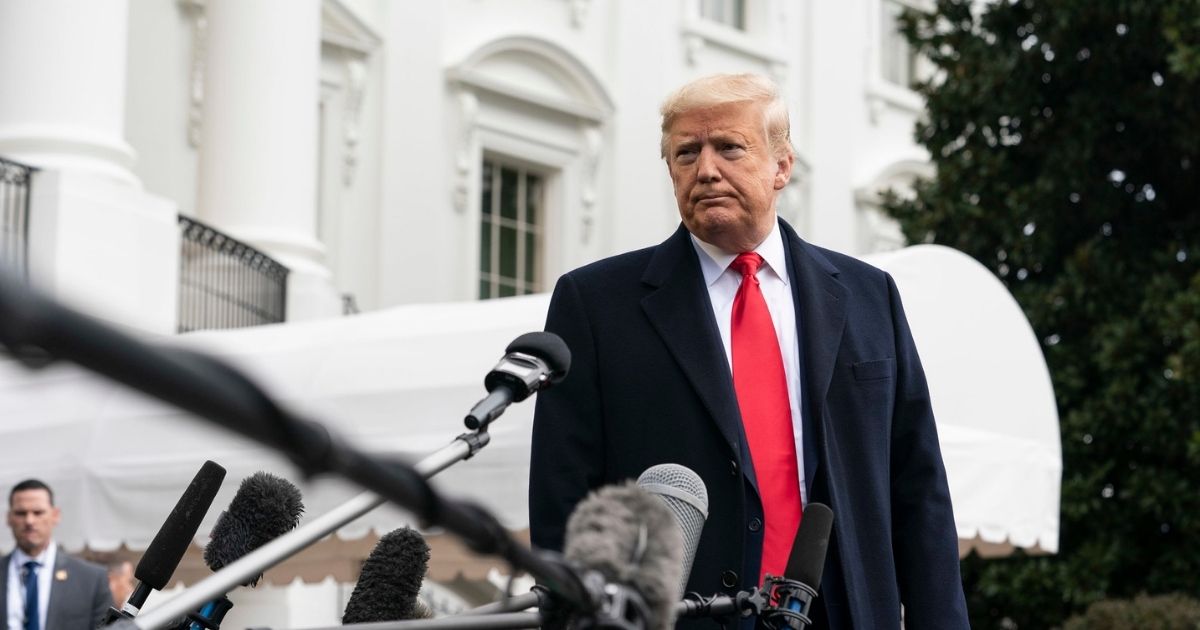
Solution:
(400, 380)
(992, 397)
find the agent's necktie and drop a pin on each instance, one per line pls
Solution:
(32, 622)
(761, 386)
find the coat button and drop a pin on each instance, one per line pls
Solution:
(729, 579)
(755, 524)
(733, 468)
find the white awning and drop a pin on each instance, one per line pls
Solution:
(400, 380)
(992, 397)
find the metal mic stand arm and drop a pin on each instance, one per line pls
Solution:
(503, 621)
(744, 604)
(279, 549)
(538, 597)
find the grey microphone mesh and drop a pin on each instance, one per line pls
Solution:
(685, 494)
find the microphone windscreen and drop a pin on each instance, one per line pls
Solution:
(685, 494)
(807, 560)
(264, 508)
(390, 580)
(629, 537)
(172, 540)
(548, 347)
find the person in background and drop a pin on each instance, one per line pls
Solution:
(120, 581)
(45, 588)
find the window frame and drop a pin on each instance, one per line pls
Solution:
(883, 92)
(493, 276)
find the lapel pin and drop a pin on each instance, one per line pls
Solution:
(61, 575)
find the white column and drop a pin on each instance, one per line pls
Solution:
(62, 96)
(258, 153)
(96, 239)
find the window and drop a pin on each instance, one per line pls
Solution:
(898, 60)
(877, 231)
(731, 13)
(510, 234)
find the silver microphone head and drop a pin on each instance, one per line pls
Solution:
(685, 494)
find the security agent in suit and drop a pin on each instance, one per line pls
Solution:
(58, 592)
(651, 380)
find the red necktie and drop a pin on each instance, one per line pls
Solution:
(762, 394)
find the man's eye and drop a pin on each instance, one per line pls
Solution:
(731, 147)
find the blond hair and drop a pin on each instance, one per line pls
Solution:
(722, 89)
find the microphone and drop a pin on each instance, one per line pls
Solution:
(791, 596)
(264, 508)
(157, 565)
(531, 362)
(390, 580)
(625, 537)
(685, 494)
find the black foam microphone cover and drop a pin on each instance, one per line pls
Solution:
(264, 508)
(390, 580)
(807, 560)
(548, 347)
(170, 543)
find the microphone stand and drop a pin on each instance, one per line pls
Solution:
(751, 603)
(214, 390)
(538, 597)
(501, 621)
(238, 572)
(501, 615)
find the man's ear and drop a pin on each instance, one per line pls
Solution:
(783, 171)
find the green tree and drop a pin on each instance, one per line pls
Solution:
(1066, 137)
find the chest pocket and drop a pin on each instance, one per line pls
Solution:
(874, 370)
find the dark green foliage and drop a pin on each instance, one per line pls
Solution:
(1066, 137)
(1162, 612)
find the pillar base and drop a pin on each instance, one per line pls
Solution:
(68, 149)
(310, 291)
(106, 248)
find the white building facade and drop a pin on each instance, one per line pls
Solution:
(397, 152)
(400, 152)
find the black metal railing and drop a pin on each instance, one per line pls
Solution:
(225, 283)
(14, 216)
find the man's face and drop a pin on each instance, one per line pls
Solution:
(725, 176)
(32, 520)
(120, 582)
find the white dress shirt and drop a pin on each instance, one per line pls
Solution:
(723, 284)
(16, 585)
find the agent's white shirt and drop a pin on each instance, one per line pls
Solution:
(16, 585)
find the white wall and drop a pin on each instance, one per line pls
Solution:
(398, 231)
(404, 136)
(158, 103)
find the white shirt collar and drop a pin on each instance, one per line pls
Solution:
(45, 559)
(715, 260)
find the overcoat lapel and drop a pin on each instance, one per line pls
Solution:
(4, 590)
(821, 308)
(58, 590)
(682, 315)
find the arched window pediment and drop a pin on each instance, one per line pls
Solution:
(538, 72)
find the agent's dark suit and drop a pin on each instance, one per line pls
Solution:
(650, 383)
(78, 601)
